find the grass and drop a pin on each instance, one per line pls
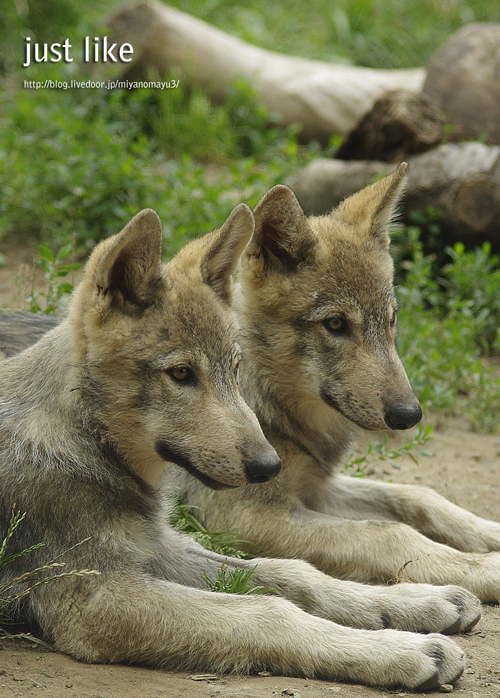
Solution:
(238, 581)
(186, 520)
(374, 451)
(228, 543)
(375, 33)
(18, 587)
(379, 33)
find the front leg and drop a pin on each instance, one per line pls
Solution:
(386, 551)
(412, 607)
(419, 507)
(134, 618)
(362, 551)
(277, 524)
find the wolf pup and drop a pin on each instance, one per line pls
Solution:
(141, 379)
(319, 315)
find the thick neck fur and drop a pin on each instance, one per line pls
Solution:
(53, 412)
(292, 416)
(38, 382)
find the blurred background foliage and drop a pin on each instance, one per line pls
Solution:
(75, 165)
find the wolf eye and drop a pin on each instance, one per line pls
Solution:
(181, 374)
(393, 318)
(336, 324)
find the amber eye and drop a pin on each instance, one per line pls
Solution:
(336, 324)
(181, 374)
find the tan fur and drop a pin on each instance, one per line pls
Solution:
(313, 390)
(138, 381)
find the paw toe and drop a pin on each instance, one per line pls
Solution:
(428, 685)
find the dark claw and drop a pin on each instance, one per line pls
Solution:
(454, 628)
(429, 684)
(386, 621)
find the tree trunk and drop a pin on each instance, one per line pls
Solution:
(463, 77)
(460, 181)
(324, 98)
(401, 124)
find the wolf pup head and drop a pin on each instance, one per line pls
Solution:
(157, 344)
(319, 312)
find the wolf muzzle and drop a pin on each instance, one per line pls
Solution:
(258, 469)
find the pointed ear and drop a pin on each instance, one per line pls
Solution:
(224, 249)
(129, 269)
(371, 210)
(282, 237)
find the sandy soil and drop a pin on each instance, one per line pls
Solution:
(464, 467)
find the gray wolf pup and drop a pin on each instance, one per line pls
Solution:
(139, 380)
(318, 328)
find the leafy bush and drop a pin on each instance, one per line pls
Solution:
(77, 164)
(67, 168)
(471, 282)
(357, 464)
(54, 299)
(448, 322)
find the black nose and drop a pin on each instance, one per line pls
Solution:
(403, 416)
(262, 468)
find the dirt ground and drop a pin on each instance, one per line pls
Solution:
(464, 467)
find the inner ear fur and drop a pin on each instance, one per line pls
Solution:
(129, 266)
(282, 237)
(371, 210)
(223, 249)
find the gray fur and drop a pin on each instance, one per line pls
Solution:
(86, 417)
(314, 390)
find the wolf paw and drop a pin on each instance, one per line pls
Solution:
(445, 662)
(394, 659)
(423, 663)
(430, 609)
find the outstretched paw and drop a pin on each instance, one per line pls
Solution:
(430, 609)
(449, 662)
(413, 661)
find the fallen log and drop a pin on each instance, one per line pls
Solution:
(463, 79)
(461, 181)
(400, 124)
(325, 98)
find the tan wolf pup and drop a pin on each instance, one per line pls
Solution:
(318, 315)
(142, 375)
